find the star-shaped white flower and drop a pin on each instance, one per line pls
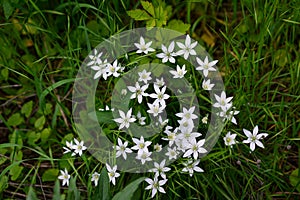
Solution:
(95, 178)
(206, 66)
(160, 169)
(65, 177)
(160, 95)
(172, 153)
(138, 91)
(140, 144)
(94, 58)
(187, 114)
(78, 147)
(140, 119)
(155, 185)
(143, 47)
(191, 166)
(253, 138)
(223, 102)
(228, 113)
(168, 53)
(229, 139)
(69, 147)
(143, 156)
(206, 85)
(195, 148)
(112, 173)
(157, 147)
(155, 109)
(144, 76)
(101, 68)
(125, 120)
(187, 48)
(121, 149)
(112, 70)
(179, 72)
(160, 82)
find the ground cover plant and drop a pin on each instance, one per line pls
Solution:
(252, 45)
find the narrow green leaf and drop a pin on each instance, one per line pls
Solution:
(31, 194)
(128, 191)
(73, 192)
(3, 183)
(139, 15)
(103, 190)
(56, 190)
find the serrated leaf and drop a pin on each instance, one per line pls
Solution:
(31, 194)
(148, 7)
(178, 25)
(39, 123)
(50, 175)
(128, 191)
(15, 120)
(295, 179)
(161, 16)
(150, 23)
(103, 190)
(139, 15)
(15, 172)
(27, 108)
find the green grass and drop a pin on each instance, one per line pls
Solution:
(43, 44)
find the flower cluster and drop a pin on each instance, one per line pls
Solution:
(181, 136)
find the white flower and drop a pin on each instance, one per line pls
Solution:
(191, 166)
(95, 178)
(112, 173)
(157, 147)
(185, 124)
(140, 119)
(223, 102)
(187, 48)
(140, 144)
(229, 114)
(69, 147)
(125, 120)
(195, 148)
(253, 138)
(155, 185)
(206, 85)
(167, 54)
(160, 82)
(143, 47)
(160, 169)
(205, 119)
(206, 66)
(171, 135)
(138, 91)
(100, 67)
(179, 72)
(144, 155)
(122, 149)
(155, 109)
(112, 70)
(160, 95)
(144, 76)
(123, 92)
(229, 139)
(172, 153)
(78, 147)
(65, 177)
(187, 114)
(188, 136)
(95, 58)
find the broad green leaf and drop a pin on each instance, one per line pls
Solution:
(15, 172)
(56, 190)
(128, 191)
(150, 23)
(27, 108)
(33, 137)
(15, 138)
(39, 123)
(281, 57)
(295, 179)
(161, 16)
(8, 9)
(50, 175)
(45, 135)
(15, 120)
(148, 7)
(139, 15)
(178, 25)
(3, 183)
(102, 191)
(5, 73)
(31, 194)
